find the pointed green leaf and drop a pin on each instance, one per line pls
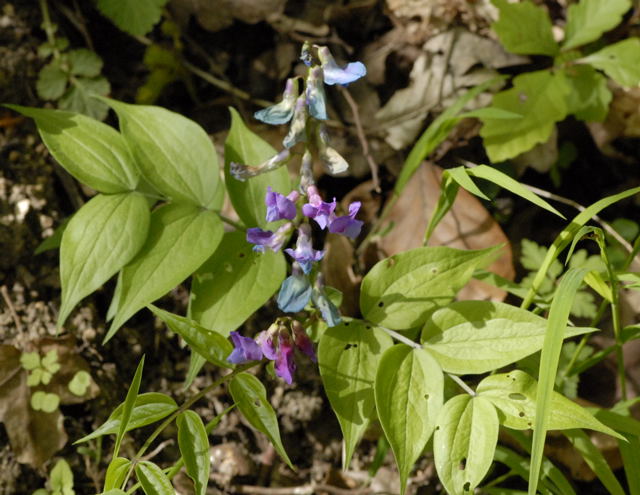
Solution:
(588, 20)
(208, 343)
(348, 357)
(102, 237)
(409, 391)
(524, 28)
(194, 447)
(620, 61)
(247, 197)
(514, 395)
(181, 238)
(464, 442)
(93, 152)
(116, 472)
(128, 405)
(174, 154)
(251, 398)
(590, 96)
(148, 408)
(430, 276)
(233, 283)
(153, 479)
(540, 97)
(478, 336)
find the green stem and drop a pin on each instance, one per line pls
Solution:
(48, 28)
(231, 222)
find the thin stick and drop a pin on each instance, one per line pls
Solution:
(362, 137)
(12, 309)
(309, 489)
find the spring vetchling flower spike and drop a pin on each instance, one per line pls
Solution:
(332, 161)
(280, 207)
(245, 349)
(267, 239)
(282, 112)
(317, 209)
(333, 74)
(242, 172)
(297, 130)
(304, 253)
(295, 291)
(347, 225)
(316, 99)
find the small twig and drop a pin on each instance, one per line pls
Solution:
(362, 137)
(231, 222)
(12, 309)
(157, 450)
(310, 489)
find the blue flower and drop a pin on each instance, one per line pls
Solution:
(245, 349)
(242, 172)
(295, 291)
(304, 252)
(315, 94)
(282, 112)
(334, 74)
(297, 130)
(347, 225)
(331, 160)
(280, 207)
(266, 239)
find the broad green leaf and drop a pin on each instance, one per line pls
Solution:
(43, 401)
(181, 238)
(30, 360)
(211, 345)
(128, 405)
(348, 357)
(247, 197)
(558, 315)
(53, 241)
(409, 389)
(82, 96)
(468, 337)
(524, 28)
(250, 397)
(79, 383)
(464, 442)
(52, 81)
(503, 180)
(61, 478)
(174, 154)
(399, 292)
(595, 460)
(587, 20)
(566, 236)
(435, 134)
(540, 97)
(194, 447)
(589, 97)
(153, 479)
(233, 283)
(514, 395)
(116, 472)
(620, 61)
(102, 237)
(94, 153)
(136, 18)
(148, 408)
(84, 62)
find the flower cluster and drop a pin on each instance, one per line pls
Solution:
(278, 344)
(305, 108)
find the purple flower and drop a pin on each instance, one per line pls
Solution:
(280, 207)
(347, 225)
(265, 340)
(282, 112)
(317, 209)
(332, 161)
(302, 341)
(334, 74)
(245, 349)
(242, 172)
(315, 94)
(304, 252)
(284, 365)
(267, 239)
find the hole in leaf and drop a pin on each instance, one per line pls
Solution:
(241, 255)
(529, 424)
(517, 396)
(437, 427)
(346, 324)
(368, 327)
(466, 487)
(521, 414)
(426, 396)
(380, 304)
(257, 403)
(434, 270)
(463, 464)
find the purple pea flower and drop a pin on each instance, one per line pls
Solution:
(245, 349)
(302, 340)
(265, 340)
(347, 225)
(266, 239)
(284, 363)
(280, 207)
(304, 253)
(318, 209)
(333, 74)
(282, 112)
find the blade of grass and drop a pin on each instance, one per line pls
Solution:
(129, 402)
